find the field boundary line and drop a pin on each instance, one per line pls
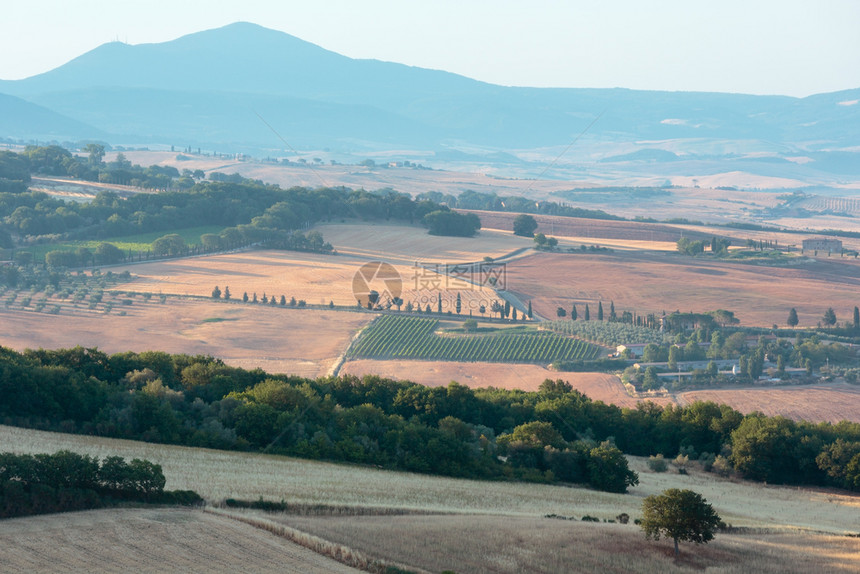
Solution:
(339, 552)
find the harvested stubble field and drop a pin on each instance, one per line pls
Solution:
(652, 283)
(150, 540)
(217, 475)
(488, 544)
(279, 340)
(816, 403)
(407, 244)
(315, 278)
(829, 402)
(597, 386)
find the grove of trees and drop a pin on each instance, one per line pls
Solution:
(453, 430)
(64, 481)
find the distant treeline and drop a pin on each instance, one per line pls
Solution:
(507, 203)
(65, 481)
(555, 433)
(251, 211)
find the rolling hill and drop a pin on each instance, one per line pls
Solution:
(206, 89)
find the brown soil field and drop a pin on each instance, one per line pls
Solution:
(490, 544)
(217, 475)
(654, 282)
(597, 386)
(279, 340)
(815, 403)
(150, 540)
(591, 230)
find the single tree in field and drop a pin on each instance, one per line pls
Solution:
(560, 312)
(600, 311)
(227, 293)
(829, 317)
(573, 313)
(254, 300)
(587, 313)
(459, 304)
(525, 225)
(680, 515)
(245, 297)
(612, 315)
(530, 310)
(507, 309)
(856, 317)
(216, 293)
(283, 301)
(514, 313)
(792, 318)
(439, 303)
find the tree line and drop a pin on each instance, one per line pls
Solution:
(555, 433)
(65, 481)
(253, 211)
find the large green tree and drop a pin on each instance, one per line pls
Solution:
(682, 515)
(525, 225)
(792, 318)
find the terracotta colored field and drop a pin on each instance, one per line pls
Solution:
(490, 544)
(597, 386)
(589, 228)
(407, 244)
(150, 540)
(653, 282)
(300, 341)
(817, 403)
(318, 279)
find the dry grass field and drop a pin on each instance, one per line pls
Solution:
(217, 475)
(831, 402)
(653, 282)
(488, 545)
(145, 540)
(279, 340)
(459, 524)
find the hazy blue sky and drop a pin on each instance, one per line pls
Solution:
(754, 46)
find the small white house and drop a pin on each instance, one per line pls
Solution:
(635, 349)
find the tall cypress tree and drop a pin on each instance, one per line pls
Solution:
(600, 311)
(573, 313)
(587, 313)
(792, 318)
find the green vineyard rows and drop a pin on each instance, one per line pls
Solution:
(606, 333)
(394, 337)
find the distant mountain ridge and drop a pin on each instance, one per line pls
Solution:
(206, 89)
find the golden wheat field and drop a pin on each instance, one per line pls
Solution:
(276, 339)
(316, 279)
